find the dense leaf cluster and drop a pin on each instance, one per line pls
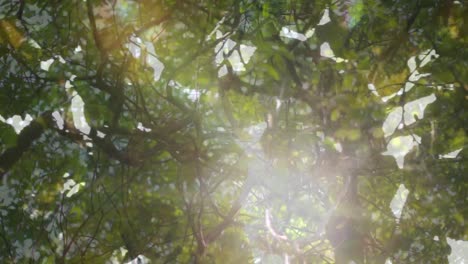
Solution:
(182, 131)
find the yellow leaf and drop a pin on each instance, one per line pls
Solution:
(335, 114)
(11, 34)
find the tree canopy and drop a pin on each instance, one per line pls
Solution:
(235, 131)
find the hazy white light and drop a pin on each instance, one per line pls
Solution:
(326, 51)
(412, 64)
(392, 121)
(71, 187)
(77, 49)
(222, 71)
(140, 259)
(459, 252)
(415, 76)
(79, 119)
(427, 56)
(58, 119)
(270, 227)
(33, 43)
(229, 45)
(237, 58)
(278, 103)
(215, 30)
(386, 98)
(151, 59)
(45, 65)
(247, 52)
(338, 147)
(416, 108)
(287, 32)
(193, 95)
(236, 62)
(408, 86)
(399, 200)
(142, 128)
(61, 60)
(134, 46)
(325, 18)
(400, 146)
(451, 155)
(18, 123)
(371, 88)
(100, 134)
(411, 109)
(68, 85)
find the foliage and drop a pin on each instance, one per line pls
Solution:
(233, 131)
